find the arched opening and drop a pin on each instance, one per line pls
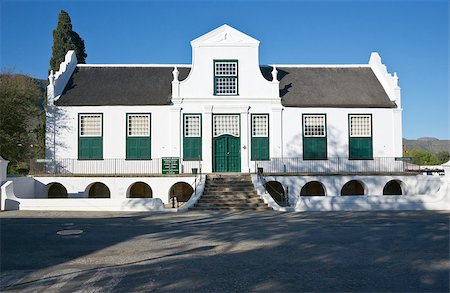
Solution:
(181, 191)
(98, 190)
(353, 187)
(393, 187)
(313, 188)
(56, 190)
(140, 190)
(276, 191)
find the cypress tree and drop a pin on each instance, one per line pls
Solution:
(65, 39)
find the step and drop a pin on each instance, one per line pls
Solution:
(230, 187)
(265, 208)
(229, 183)
(233, 199)
(229, 196)
(226, 193)
(229, 206)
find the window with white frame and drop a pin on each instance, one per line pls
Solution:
(138, 125)
(260, 125)
(225, 77)
(314, 126)
(90, 125)
(192, 125)
(360, 125)
(226, 124)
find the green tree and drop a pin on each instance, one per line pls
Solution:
(20, 121)
(65, 39)
(443, 157)
(422, 157)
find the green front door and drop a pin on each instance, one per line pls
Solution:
(227, 154)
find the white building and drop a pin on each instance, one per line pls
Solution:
(225, 110)
(315, 132)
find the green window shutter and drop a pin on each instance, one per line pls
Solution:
(192, 148)
(314, 136)
(260, 148)
(314, 148)
(90, 148)
(138, 148)
(361, 148)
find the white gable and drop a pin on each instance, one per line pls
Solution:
(225, 44)
(223, 36)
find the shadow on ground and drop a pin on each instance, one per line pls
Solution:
(268, 251)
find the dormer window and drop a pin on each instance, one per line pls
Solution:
(226, 77)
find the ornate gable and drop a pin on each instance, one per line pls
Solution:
(225, 35)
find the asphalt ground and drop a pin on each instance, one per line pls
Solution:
(224, 252)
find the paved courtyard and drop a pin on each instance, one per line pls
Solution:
(224, 252)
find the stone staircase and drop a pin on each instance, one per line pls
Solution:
(230, 192)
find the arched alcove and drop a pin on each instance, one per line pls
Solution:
(182, 191)
(56, 190)
(393, 187)
(140, 190)
(353, 187)
(313, 188)
(276, 191)
(98, 190)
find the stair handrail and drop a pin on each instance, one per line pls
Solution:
(263, 180)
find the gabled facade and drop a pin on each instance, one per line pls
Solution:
(223, 113)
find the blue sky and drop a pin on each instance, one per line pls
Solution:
(412, 38)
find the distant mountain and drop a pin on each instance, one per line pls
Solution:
(427, 139)
(430, 144)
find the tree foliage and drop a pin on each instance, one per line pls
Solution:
(21, 121)
(65, 39)
(423, 157)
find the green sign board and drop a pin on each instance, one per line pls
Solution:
(171, 165)
(403, 159)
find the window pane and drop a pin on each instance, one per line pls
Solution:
(91, 125)
(225, 69)
(226, 124)
(192, 126)
(139, 125)
(360, 125)
(314, 125)
(260, 125)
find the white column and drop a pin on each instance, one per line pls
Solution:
(245, 140)
(397, 133)
(207, 139)
(276, 133)
(175, 133)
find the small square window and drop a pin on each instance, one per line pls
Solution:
(90, 125)
(260, 125)
(226, 77)
(138, 125)
(360, 125)
(314, 126)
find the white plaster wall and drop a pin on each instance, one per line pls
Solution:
(114, 130)
(23, 186)
(385, 144)
(14, 196)
(285, 130)
(118, 186)
(195, 94)
(200, 82)
(421, 193)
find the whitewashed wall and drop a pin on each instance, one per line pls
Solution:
(420, 193)
(28, 193)
(195, 94)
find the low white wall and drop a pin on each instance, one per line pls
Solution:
(32, 195)
(422, 193)
(23, 186)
